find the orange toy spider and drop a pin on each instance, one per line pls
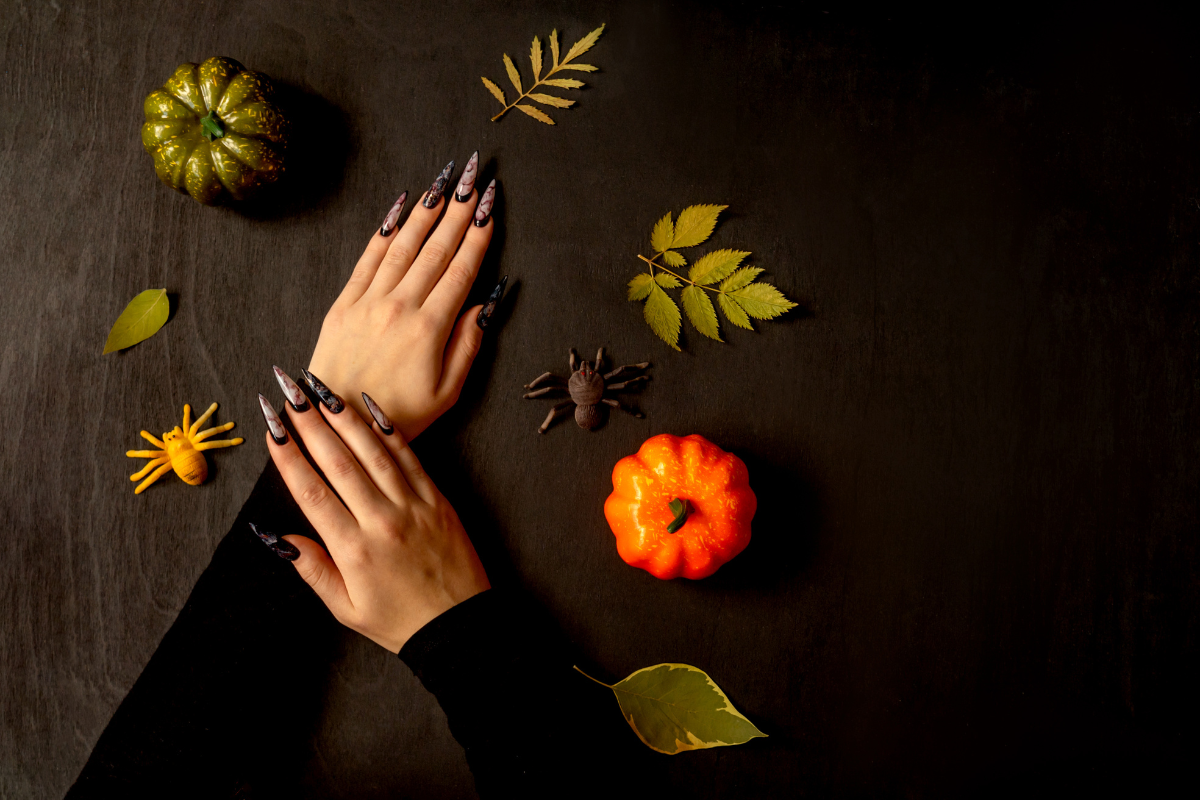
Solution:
(181, 451)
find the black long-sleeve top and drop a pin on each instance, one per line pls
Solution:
(231, 696)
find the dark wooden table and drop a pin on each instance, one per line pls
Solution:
(975, 445)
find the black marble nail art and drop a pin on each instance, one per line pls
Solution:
(393, 216)
(466, 184)
(281, 547)
(435, 191)
(385, 424)
(483, 211)
(485, 314)
(291, 391)
(274, 423)
(331, 400)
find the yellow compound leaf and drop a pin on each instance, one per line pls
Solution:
(662, 315)
(496, 91)
(513, 75)
(140, 320)
(535, 59)
(695, 224)
(700, 312)
(550, 100)
(536, 114)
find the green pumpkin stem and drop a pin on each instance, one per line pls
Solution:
(681, 509)
(213, 129)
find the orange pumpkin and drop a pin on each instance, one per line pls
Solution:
(680, 507)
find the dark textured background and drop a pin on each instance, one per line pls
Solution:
(975, 446)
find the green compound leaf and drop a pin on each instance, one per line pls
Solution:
(663, 233)
(762, 300)
(674, 259)
(662, 315)
(667, 280)
(716, 266)
(639, 287)
(733, 312)
(740, 278)
(700, 312)
(140, 320)
(677, 707)
(695, 224)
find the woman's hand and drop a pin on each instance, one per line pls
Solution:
(398, 555)
(392, 332)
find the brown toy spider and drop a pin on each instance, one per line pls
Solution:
(587, 388)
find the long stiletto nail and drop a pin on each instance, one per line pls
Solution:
(466, 184)
(485, 313)
(274, 423)
(331, 400)
(385, 424)
(281, 547)
(393, 216)
(439, 185)
(484, 210)
(291, 391)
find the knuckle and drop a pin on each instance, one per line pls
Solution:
(315, 495)
(435, 252)
(380, 463)
(459, 275)
(399, 254)
(340, 466)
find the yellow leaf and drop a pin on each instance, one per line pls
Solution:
(140, 320)
(715, 266)
(563, 83)
(538, 115)
(700, 312)
(535, 58)
(496, 91)
(740, 278)
(579, 67)
(695, 224)
(550, 100)
(639, 287)
(662, 315)
(733, 312)
(674, 259)
(554, 45)
(667, 280)
(663, 233)
(762, 301)
(583, 45)
(513, 75)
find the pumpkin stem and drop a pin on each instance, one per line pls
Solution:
(681, 509)
(212, 127)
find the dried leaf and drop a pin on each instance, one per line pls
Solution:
(550, 100)
(662, 315)
(583, 45)
(535, 59)
(667, 280)
(554, 45)
(663, 233)
(640, 286)
(496, 91)
(715, 266)
(695, 224)
(140, 320)
(741, 278)
(700, 312)
(536, 114)
(762, 300)
(563, 83)
(580, 67)
(513, 75)
(674, 259)
(733, 312)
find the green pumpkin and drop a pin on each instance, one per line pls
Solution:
(213, 129)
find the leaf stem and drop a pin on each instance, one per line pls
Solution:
(536, 84)
(589, 677)
(654, 264)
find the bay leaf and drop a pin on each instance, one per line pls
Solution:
(140, 320)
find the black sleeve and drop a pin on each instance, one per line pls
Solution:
(531, 725)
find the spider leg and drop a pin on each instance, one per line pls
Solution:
(203, 419)
(630, 367)
(141, 473)
(573, 359)
(608, 401)
(158, 473)
(145, 453)
(158, 443)
(540, 392)
(206, 434)
(555, 412)
(616, 387)
(220, 443)
(599, 358)
(187, 418)
(543, 378)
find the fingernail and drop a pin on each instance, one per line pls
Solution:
(331, 400)
(393, 216)
(281, 547)
(291, 391)
(484, 210)
(385, 424)
(274, 423)
(466, 184)
(435, 191)
(485, 313)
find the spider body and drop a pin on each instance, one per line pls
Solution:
(181, 449)
(587, 388)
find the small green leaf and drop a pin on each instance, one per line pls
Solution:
(762, 300)
(639, 287)
(550, 100)
(662, 315)
(496, 91)
(715, 266)
(563, 83)
(663, 233)
(667, 280)
(674, 259)
(140, 320)
(513, 75)
(536, 114)
(677, 707)
(733, 312)
(740, 278)
(700, 313)
(535, 58)
(695, 224)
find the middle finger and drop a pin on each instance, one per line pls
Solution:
(443, 243)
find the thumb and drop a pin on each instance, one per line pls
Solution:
(460, 354)
(318, 571)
